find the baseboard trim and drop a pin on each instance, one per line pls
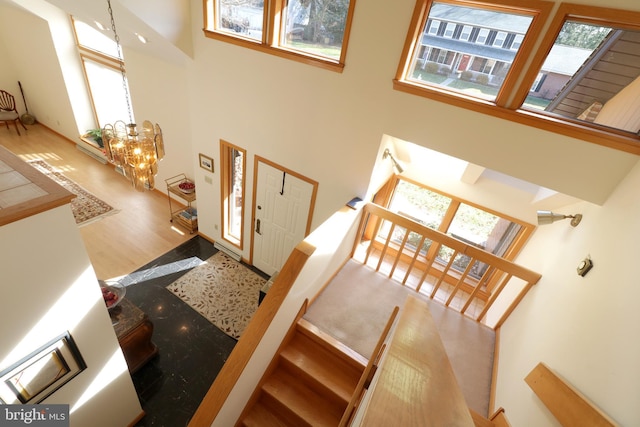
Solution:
(227, 251)
(91, 154)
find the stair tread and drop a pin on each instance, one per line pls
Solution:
(301, 400)
(321, 366)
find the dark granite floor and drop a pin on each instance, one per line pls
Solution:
(191, 349)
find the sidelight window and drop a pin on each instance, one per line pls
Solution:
(232, 165)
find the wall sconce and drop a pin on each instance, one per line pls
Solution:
(396, 166)
(548, 217)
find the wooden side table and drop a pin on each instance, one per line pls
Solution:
(133, 329)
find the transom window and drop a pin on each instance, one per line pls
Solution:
(592, 76)
(582, 80)
(310, 31)
(477, 64)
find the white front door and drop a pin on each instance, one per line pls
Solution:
(283, 202)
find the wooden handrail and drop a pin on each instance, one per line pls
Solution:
(567, 404)
(369, 371)
(458, 245)
(497, 276)
(251, 337)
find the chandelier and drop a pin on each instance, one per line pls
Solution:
(136, 152)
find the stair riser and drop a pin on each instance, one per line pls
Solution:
(282, 411)
(316, 385)
(334, 347)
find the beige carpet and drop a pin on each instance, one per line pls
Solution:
(222, 290)
(86, 207)
(357, 303)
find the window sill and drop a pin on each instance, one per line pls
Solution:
(324, 63)
(616, 140)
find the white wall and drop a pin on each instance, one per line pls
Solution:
(48, 288)
(42, 54)
(585, 329)
(329, 127)
(160, 93)
(32, 54)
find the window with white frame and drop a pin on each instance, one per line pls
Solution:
(434, 27)
(466, 32)
(501, 36)
(483, 34)
(517, 42)
(449, 30)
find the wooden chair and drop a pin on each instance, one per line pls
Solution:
(8, 112)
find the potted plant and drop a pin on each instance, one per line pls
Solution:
(95, 135)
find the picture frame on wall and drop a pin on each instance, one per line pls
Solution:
(206, 163)
(39, 374)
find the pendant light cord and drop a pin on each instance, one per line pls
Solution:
(125, 86)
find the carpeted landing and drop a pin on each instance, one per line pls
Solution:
(357, 303)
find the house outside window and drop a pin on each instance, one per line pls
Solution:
(477, 55)
(501, 37)
(592, 75)
(517, 42)
(575, 74)
(466, 32)
(434, 27)
(449, 30)
(482, 36)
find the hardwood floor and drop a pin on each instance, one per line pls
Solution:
(117, 244)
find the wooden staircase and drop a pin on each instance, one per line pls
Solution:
(311, 381)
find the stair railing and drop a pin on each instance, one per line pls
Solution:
(369, 371)
(395, 252)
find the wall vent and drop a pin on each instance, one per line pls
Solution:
(92, 154)
(227, 251)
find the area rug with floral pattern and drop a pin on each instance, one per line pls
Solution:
(86, 207)
(222, 290)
